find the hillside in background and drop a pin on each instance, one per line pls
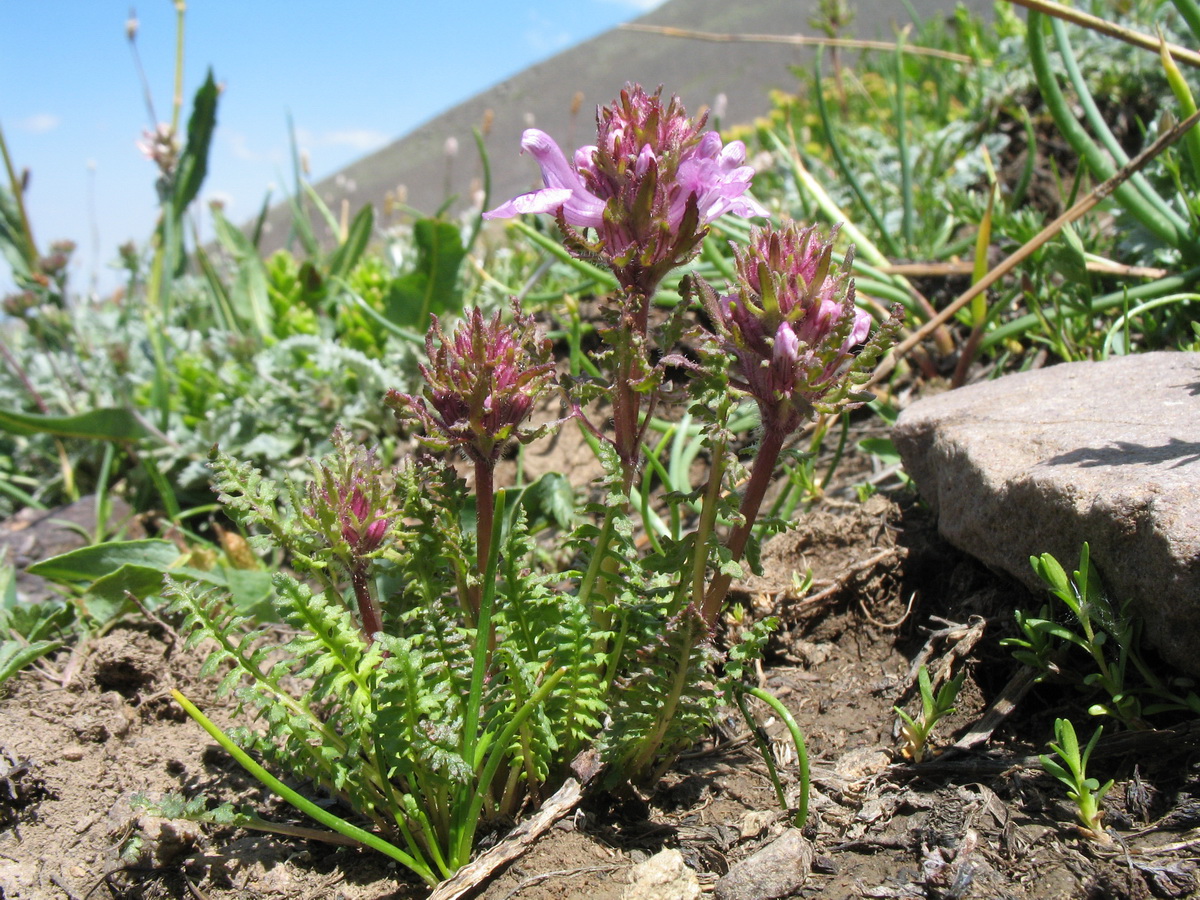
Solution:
(417, 168)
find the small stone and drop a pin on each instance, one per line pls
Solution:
(72, 753)
(756, 822)
(664, 876)
(862, 763)
(777, 870)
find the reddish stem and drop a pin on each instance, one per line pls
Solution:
(626, 400)
(760, 479)
(368, 607)
(484, 502)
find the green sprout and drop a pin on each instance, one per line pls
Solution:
(1106, 631)
(1086, 793)
(933, 707)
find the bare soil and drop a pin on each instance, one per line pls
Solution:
(95, 725)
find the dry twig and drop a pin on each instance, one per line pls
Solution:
(472, 875)
(1101, 192)
(802, 40)
(1112, 29)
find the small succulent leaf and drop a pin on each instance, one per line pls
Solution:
(1049, 570)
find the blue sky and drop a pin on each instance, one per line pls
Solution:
(353, 75)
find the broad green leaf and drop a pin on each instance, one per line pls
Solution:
(141, 581)
(884, 448)
(193, 161)
(432, 287)
(95, 562)
(14, 655)
(100, 425)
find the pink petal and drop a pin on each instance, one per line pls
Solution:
(547, 200)
(582, 209)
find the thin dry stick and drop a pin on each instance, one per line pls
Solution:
(802, 40)
(468, 879)
(964, 267)
(1097, 194)
(1121, 33)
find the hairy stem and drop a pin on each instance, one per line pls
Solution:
(760, 478)
(484, 500)
(652, 745)
(368, 606)
(626, 400)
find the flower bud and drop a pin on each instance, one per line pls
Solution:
(791, 325)
(482, 384)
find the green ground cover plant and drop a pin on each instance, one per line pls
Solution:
(452, 675)
(458, 644)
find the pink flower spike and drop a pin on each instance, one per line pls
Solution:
(651, 164)
(482, 383)
(792, 327)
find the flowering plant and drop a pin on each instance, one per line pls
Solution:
(469, 682)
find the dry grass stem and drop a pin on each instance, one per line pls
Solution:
(1128, 35)
(1095, 196)
(802, 40)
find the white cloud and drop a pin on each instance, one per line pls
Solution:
(39, 123)
(360, 139)
(240, 147)
(363, 139)
(544, 36)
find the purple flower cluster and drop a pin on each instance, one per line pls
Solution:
(349, 498)
(792, 323)
(648, 187)
(481, 385)
(360, 528)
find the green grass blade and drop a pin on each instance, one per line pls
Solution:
(306, 806)
(906, 172)
(97, 425)
(1082, 142)
(1190, 11)
(1095, 119)
(839, 157)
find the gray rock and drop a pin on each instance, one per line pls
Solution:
(1104, 452)
(34, 535)
(777, 870)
